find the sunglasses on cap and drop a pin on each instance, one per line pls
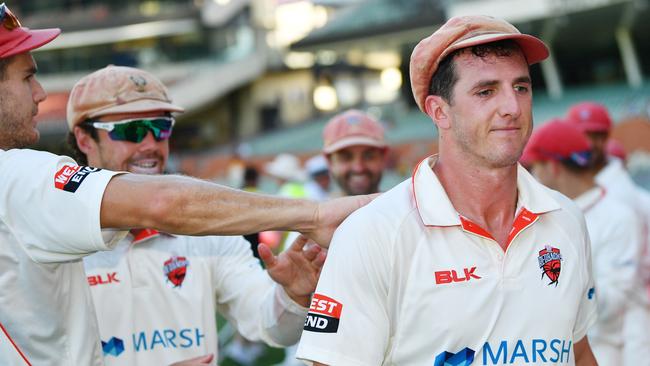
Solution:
(7, 18)
(136, 129)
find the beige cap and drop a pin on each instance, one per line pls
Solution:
(463, 32)
(351, 128)
(117, 89)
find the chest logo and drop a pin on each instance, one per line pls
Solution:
(443, 277)
(550, 262)
(175, 269)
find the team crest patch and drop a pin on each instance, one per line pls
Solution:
(550, 261)
(175, 269)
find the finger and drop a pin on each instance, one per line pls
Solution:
(299, 243)
(311, 252)
(319, 261)
(266, 255)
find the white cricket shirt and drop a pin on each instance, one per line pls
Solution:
(410, 282)
(613, 229)
(156, 297)
(49, 220)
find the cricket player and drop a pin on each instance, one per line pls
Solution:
(471, 261)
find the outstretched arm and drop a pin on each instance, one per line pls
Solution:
(183, 205)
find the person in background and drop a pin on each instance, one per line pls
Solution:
(559, 156)
(318, 186)
(594, 120)
(287, 170)
(354, 145)
(156, 295)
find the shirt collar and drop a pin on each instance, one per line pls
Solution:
(590, 198)
(436, 209)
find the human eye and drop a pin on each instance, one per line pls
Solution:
(484, 93)
(522, 89)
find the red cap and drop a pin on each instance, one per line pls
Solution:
(557, 140)
(15, 39)
(590, 117)
(615, 148)
(463, 32)
(353, 127)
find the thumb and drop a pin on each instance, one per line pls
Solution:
(266, 255)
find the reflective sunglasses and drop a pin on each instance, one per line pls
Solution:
(136, 129)
(7, 18)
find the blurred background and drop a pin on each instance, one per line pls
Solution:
(261, 77)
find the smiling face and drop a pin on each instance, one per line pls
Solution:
(145, 157)
(489, 116)
(358, 169)
(20, 94)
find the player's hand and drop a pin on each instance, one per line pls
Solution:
(197, 361)
(296, 269)
(330, 214)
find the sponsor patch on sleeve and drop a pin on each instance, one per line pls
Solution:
(324, 314)
(70, 177)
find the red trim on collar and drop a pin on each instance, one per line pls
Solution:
(415, 197)
(140, 235)
(522, 221)
(473, 228)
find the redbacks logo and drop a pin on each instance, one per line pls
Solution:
(70, 177)
(175, 269)
(550, 261)
(324, 314)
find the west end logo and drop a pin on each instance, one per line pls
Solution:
(550, 261)
(175, 269)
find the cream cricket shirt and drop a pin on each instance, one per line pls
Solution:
(156, 298)
(613, 229)
(410, 282)
(49, 220)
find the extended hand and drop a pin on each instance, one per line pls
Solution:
(330, 214)
(295, 269)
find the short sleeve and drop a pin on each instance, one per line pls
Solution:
(52, 205)
(348, 321)
(587, 309)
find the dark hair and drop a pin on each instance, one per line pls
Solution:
(71, 140)
(445, 78)
(4, 62)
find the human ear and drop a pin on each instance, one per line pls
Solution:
(438, 109)
(85, 142)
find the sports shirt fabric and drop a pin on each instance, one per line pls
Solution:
(408, 281)
(159, 295)
(45, 303)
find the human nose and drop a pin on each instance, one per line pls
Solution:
(510, 104)
(148, 142)
(38, 93)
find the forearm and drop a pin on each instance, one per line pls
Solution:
(184, 205)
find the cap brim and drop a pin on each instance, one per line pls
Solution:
(142, 105)
(529, 157)
(590, 127)
(533, 48)
(353, 141)
(36, 39)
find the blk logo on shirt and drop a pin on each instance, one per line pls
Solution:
(443, 277)
(104, 279)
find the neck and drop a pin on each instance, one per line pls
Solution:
(573, 185)
(486, 196)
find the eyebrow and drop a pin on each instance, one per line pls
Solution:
(486, 83)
